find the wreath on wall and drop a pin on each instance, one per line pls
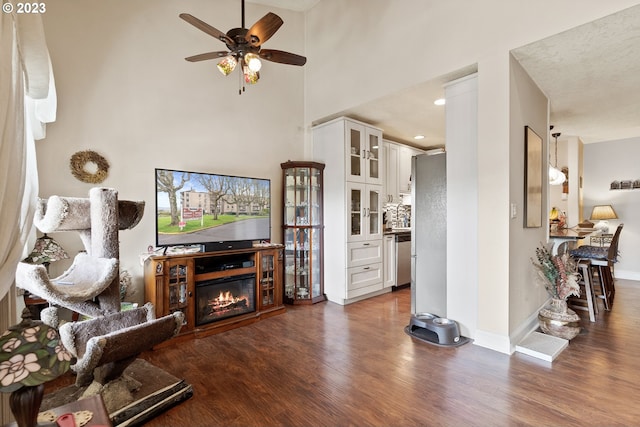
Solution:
(79, 162)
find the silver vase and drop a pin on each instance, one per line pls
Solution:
(558, 320)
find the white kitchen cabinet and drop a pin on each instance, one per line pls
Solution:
(404, 168)
(364, 153)
(364, 280)
(391, 155)
(398, 170)
(389, 261)
(365, 211)
(354, 174)
(363, 253)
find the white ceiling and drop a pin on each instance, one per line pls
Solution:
(297, 5)
(591, 74)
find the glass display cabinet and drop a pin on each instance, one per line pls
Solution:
(303, 232)
(178, 280)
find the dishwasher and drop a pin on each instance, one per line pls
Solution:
(403, 260)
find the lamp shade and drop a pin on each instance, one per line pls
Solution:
(556, 177)
(31, 353)
(603, 212)
(45, 251)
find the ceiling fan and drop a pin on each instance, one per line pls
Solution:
(245, 47)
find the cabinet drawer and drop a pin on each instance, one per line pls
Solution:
(363, 253)
(364, 279)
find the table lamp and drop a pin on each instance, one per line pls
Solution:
(602, 213)
(45, 251)
(31, 354)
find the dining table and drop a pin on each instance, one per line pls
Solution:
(562, 235)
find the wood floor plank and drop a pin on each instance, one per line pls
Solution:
(329, 365)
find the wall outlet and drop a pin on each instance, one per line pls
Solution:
(514, 210)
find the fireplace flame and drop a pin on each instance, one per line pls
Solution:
(226, 296)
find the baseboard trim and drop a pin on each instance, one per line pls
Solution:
(500, 343)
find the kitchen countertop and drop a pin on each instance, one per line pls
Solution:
(398, 231)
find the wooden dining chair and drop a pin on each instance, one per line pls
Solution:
(587, 299)
(602, 260)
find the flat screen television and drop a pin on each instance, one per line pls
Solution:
(217, 211)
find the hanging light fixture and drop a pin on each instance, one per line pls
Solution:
(253, 62)
(245, 47)
(556, 177)
(227, 65)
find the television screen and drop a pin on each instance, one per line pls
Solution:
(200, 208)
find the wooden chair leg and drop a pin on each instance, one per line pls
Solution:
(609, 284)
(604, 279)
(587, 299)
(588, 290)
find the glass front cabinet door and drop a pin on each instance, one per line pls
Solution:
(303, 232)
(178, 276)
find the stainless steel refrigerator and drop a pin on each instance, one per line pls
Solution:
(429, 234)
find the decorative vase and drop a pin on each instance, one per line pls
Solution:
(558, 320)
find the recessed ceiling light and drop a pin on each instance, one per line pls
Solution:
(440, 101)
(418, 137)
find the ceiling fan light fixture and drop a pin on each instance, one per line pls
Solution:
(251, 77)
(253, 61)
(227, 65)
(244, 46)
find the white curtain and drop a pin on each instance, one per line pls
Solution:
(27, 101)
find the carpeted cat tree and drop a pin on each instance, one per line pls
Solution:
(91, 285)
(110, 341)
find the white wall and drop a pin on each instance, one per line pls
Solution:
(529, 107)
(605, 162)
(125, 91)
(462, 203)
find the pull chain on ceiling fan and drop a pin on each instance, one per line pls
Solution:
(245, 47)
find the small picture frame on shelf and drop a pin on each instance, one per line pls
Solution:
(625, 185)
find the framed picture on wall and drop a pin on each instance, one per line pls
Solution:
(533, 174)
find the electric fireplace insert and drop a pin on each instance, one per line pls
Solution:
(226, 297)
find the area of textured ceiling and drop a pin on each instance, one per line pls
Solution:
(591, 75)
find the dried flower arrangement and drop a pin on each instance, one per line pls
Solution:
(559, 273)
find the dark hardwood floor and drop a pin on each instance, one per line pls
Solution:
(328, 365)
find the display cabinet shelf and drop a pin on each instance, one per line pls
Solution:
(303, 232)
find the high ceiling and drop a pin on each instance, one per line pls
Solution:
(297, 5)
(591, 74)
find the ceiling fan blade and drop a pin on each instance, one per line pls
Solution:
(262, 30)
(208, 55)
(282, 57)
(203, 26)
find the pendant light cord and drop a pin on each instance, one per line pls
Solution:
(556, 135)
